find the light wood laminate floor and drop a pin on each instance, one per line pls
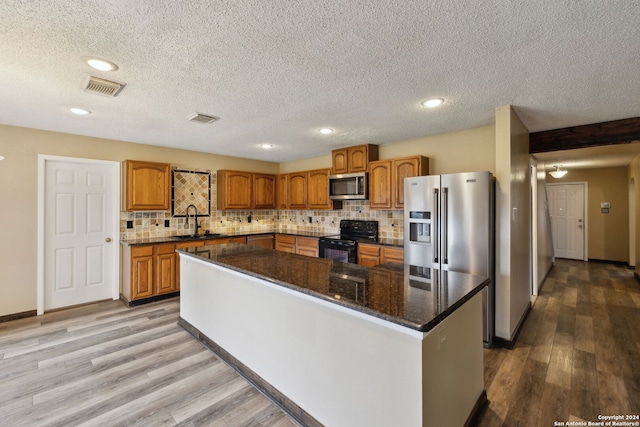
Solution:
(577, 356)
(108, 365)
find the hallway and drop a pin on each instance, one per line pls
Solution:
(578, 354)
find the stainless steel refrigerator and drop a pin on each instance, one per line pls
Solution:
(449, 225)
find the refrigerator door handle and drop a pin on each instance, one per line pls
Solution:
(445, 225)
(435, 232)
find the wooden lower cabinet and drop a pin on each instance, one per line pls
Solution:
(166, 264)
(266, 241)
(153, 270)
(149, 271)
(371, 255)
(390, 254)
(297, 244)
(141, 273)
(307, 246)
(368, 255)
(286, 243)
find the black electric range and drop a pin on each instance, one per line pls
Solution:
(344, 246)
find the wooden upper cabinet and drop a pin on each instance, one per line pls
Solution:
(339, 161)
(297, 190)
(318, 186)
(282, 193)
(403, 168)
(147, 186)
(360, 156)
(353, 159)
(380, 185)
(264, 191)
(234, 189)
(386, 180)
(245, 190)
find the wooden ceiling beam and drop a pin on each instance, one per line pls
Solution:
(606, 133)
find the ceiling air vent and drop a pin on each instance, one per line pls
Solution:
(202, 118)
(102, 87)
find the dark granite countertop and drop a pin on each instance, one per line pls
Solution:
(174, 239)
(414, 297)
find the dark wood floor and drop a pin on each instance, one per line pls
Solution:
(577, 356)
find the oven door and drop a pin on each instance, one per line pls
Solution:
(338, 250)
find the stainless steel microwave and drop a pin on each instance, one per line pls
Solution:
(348, 186)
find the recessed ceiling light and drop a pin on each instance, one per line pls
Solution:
(433, 102)
(80, 111)
(325, 131)
(100, 64)
(1, 158)
(266, 146)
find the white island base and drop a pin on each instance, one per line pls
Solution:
(326, 364)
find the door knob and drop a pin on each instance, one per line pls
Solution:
(108, 239)
(580, 226)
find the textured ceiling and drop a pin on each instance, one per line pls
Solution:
(276, 71)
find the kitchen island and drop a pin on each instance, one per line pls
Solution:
(341, 344)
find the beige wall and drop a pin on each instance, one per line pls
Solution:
(606, 232)
(513, 208)
(18, 195)
(470, 150)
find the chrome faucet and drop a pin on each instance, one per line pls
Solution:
(195, 219)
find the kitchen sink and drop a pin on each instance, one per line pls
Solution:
(198, 236)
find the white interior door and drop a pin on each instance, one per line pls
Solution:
(566, 207)
(79, 245)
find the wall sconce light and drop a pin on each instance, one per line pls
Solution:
(558, 173)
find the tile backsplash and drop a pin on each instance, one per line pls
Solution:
(152, 224)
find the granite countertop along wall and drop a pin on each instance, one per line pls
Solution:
(415, 297)
(173, 239)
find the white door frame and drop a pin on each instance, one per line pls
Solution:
(632, 222)
(533, 164)
(585, 184)
(115, 210)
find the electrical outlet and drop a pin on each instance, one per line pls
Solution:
(167, 223)
(310, 220)
(129, 224)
